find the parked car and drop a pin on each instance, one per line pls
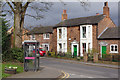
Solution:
(40, 51)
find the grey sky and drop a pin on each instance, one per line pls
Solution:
(74, 10)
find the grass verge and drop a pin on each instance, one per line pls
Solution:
(13, 64)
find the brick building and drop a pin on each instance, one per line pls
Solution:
(43, 35)
(78, 35)
(24, 36)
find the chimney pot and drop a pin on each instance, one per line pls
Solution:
(106, 9)
(64, 11)
(64, 15)
(97, 14)
(106, 4)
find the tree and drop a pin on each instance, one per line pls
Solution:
(19, 11)
(5, 37)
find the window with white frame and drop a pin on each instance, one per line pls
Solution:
(84, 32)
(32, 37)
(60, 47)
(84, 47)
(46, 36)
(60, 33)
(114, 48)
(45, 46)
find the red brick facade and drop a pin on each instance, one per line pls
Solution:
(41, 40)
(54, 40)
(109, 42)
(73, 33)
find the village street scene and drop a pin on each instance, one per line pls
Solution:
(60, 40)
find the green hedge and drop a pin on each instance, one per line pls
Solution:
(14, 54)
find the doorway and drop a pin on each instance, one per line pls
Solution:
(75, 50)
(103, 50)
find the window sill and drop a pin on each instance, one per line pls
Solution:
(83, 38)
(114, 52)
(46, 38)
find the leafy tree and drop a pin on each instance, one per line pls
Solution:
(19, 10)
(5, 38)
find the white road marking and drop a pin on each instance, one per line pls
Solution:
(80, 76)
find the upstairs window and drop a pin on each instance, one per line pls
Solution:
(114, 48)
(46, 36)
(83, 32)
(60, 33)
(32, 37)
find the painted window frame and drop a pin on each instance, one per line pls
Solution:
(84, 33)
(60, 34)
(114, 48)
(33, 37)
(43, 45)
(45, 36)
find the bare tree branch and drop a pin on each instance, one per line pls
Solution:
(11, 7)
(25, 6)
(36, 17)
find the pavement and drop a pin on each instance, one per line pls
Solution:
(44, 72)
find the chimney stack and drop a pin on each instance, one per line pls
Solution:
(106, 9)
(64, 15)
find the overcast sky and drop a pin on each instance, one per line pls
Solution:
(74, 10)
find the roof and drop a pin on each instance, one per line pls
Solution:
(111, 33)
(82, 20)
(41, 30)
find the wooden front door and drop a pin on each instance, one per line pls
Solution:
(103, 50)
(75, 50)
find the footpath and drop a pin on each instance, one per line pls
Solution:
(45, 73)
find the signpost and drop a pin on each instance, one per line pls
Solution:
(31, 59)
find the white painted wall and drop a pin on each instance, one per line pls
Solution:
(63, 39)
(86, 40)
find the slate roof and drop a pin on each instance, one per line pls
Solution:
(111, 33)
(82, 20)
(41, 30)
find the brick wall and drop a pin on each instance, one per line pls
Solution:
(106, 22)
(94, 37)
(54, 40)
(41, 40)
(74, 34)
(109, 42)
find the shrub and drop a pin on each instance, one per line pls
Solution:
(68, 55)
(17, 54)
(107, 57)
(52, 54)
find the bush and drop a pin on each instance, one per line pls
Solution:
(14, 54)
(17, 54)
(52, 54)
(68, 55)
(107, 57)
(90, 57)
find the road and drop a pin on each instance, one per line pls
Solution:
(77, 70)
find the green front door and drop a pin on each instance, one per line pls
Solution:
(103, 50)
(75, 50)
